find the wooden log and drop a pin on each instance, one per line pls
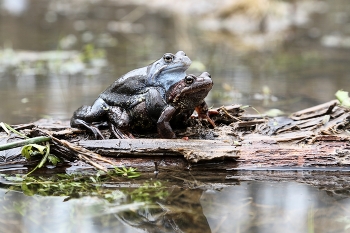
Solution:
(318, 138)
(314, 137)
(192, 150)
(261, 151)
(270, 153)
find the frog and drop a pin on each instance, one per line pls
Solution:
(173, 107)
(160, 108)
(129, 90)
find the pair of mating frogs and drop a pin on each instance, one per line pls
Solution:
(148, 97)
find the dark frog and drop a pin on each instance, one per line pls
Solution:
(175, 106)
(130, 90)
(159, 108)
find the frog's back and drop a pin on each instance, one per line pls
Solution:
(140, 73)
(128, 85)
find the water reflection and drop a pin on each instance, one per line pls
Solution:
(180, 212)
(273, 207)
(248, 207)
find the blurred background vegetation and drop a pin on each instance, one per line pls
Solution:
(57, 55)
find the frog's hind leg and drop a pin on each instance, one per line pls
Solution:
(84, 116)
(97, 133)
(119, 120)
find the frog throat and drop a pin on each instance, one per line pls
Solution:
(156, 73)
(152, 79)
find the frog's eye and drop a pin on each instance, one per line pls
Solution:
(168, 57)
(189, 79)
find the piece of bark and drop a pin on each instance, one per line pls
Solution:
(316, 111)
(192, 150)
(321, 153)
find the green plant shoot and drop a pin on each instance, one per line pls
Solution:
(343, 97)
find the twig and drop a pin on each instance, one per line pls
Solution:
(6, 127)
(81, 152)
(84, 158)
(228, 114)
(20, 143)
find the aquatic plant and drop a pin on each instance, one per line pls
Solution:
(76, 185)
(31, 147)
(343, 97)
(127, 172)
(148, 192)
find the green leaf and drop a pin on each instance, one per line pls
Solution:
(134, 176)
(26, 190)
(53, 159)
(42, 150)
(343, 97)
(27, 150)
(127, 172)
(15, 131)
(93, 179)
(14, 178)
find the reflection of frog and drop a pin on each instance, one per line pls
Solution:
(179, 210)
(129, 90)
(176, 105)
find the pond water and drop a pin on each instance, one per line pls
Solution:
(58, 55)
(161, 206)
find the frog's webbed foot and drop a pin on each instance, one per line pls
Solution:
(97, 133)
(119, 134)
(119, 123)
(204, 113)
(206, 117)
(84, 117)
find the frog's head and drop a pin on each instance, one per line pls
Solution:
(178, 62)
(191, 90)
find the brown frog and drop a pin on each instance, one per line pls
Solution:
(161, 109)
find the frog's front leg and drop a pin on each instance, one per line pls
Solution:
(84, 116)
(163, 125)
(158, 109)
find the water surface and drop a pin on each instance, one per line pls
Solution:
(303, 68)
(58, 55)
(230, 207)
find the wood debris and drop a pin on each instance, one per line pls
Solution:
(317, 136)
